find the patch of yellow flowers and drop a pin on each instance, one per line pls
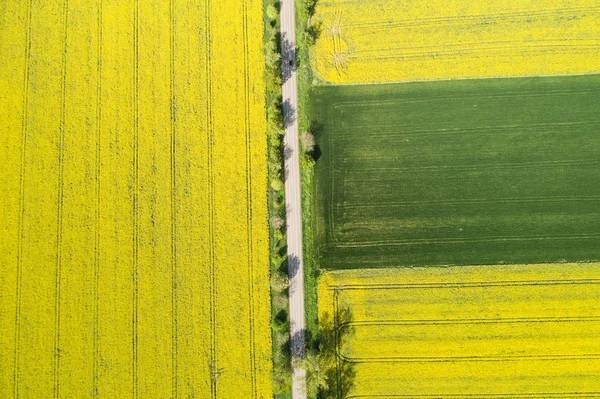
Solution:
(477, 331)
(396, 41)
(133, 225)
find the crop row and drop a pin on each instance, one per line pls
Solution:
(134, 226)
(509, 331)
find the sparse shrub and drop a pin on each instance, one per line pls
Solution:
(307, 140)
(277, 222)
(280, 301)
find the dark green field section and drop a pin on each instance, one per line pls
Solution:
(458, 172)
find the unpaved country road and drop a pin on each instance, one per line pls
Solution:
(292, 193)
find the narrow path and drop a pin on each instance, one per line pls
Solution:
(292, 193)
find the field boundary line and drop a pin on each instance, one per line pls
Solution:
(332, 169)
(484, 45)
(472, 17)
(474, 284)
(135, 210)
(419, 322)
(213, 369)
(338, 349)
(458, 240)
(507, 94)
(451, 359)
(20, 229)
(465, 168)
(541, 395)
(249, 210)
(96, 326)
(465, 129)
(531, 50)
(173, 142)
(466, 201)
(60, 198)
(388, 134)
(457, 79)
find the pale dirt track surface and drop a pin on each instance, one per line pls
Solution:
(292, 193)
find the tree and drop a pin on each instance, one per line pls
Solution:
(307, 140)
(279, 282)
(282, 372)
(277, 185)
(277, 222)
(272, 12)
(317, 369)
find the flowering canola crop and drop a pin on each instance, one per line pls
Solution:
(391, 41)
(133, 234)
(476, 331)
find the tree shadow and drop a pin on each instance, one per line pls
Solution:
(286, 174)
(281, 320)
(289, 63)
(311, 6)
(287, 152)
(293, 265)
(289, 113)
(334, 333)
(316, 129)
(297, 344)
(328, 375)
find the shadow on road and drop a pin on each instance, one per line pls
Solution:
(289, 63)
(297, 344)
(293, 265)
(287, 152)
(289, 111)
(328, 376)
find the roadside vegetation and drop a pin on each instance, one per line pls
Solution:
(437, 173)
(317, 365)
(318, 361)
(280, 328)
(306, 34)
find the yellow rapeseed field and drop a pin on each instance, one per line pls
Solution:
(519, 331)
(133, 177)
(392, 41)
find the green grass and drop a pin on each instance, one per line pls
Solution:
(304, 76)
(458, 172)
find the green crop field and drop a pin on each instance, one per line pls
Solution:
(458, 172)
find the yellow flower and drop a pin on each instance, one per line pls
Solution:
(464, 331)
(394, 41)
(133, 225)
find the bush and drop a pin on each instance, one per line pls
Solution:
(280, 301)
(279, 282)
(307, 140)
(272, 12)
(282, 373)
(277, 185)
(277, 260)
(317, 369)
